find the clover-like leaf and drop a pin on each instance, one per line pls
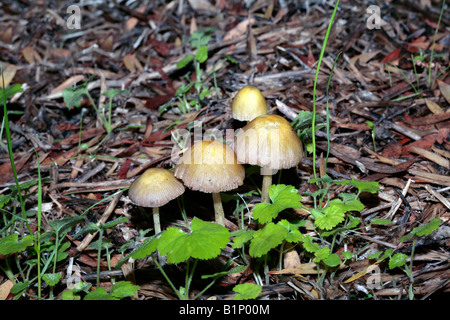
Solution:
(205, 241)
(282, 197)
(397, 260)
(51, 278)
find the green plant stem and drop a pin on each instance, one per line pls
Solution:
(39, 214)
(313, 124)
(11, 154)
(434, 40)
(99, 250)
(177, 292)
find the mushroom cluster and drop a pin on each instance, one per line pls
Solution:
(213, 167)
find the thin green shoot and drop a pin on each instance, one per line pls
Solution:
(313, 125)
(434, 41)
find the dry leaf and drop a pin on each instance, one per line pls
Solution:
(445, 89)
(5, 289)
(56, 92)
(30, 55)
(9, 71)
(131, 63)
(239, 30)
(434, 107)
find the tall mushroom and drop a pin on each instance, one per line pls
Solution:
(248, 104)
(211, 167)
(155, 188)
(269, 142)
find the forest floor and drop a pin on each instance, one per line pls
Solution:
(387, 100)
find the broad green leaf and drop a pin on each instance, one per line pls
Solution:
(309, 245)
(111, 93)
(202, 54)
(240, 240)
(362, 186)
(184, 62)
(347, 254)
(62, 225)
(334, 213)
(217, 275)
(423, 229)
(266, 239)
(11, 243)
(293, 234)
(247, 291)
(282, 197)
(123, 289)
(73, 97)
(397, 260)
(146, 248)
(321, 254)
(333, 260)
(51, 279)
(10, 91)
(205, 241)
(113, 223)
(98, 294)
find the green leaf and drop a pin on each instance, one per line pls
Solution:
(200, 37)
(397, 260)
(243, 238)
(309, 245)
(266, 239)
(334, 213)
(111, 93)
(247, 291)
(184, 62)
(113, 223)
(73, 96)
(217, 275)
(347, 254)
(146, 248)
(98, 294)
(202, 54)
(333, 260)
(380, 221)
(11, 244)
(123, 289)
(51, 279)
(362, 186)
(62, 225)
(282, 197)
(10, 91)
(423, 229)
(205, 241)
(293, 234)
(321, 254)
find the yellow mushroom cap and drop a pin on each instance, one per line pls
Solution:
(155, 187)
(248, 104)
(269, 141)
(211, 167)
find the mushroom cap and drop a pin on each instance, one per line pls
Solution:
(248, 104)
(270, 142)
(211, 167)
(155, 187)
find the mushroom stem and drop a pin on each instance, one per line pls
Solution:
(266, 183)
(156, 222)
(218, 209)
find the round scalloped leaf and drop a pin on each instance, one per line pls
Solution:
(205, 241)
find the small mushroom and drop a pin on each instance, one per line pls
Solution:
(154, 188)
(211, 167)
(248, 104)
(269, 142)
